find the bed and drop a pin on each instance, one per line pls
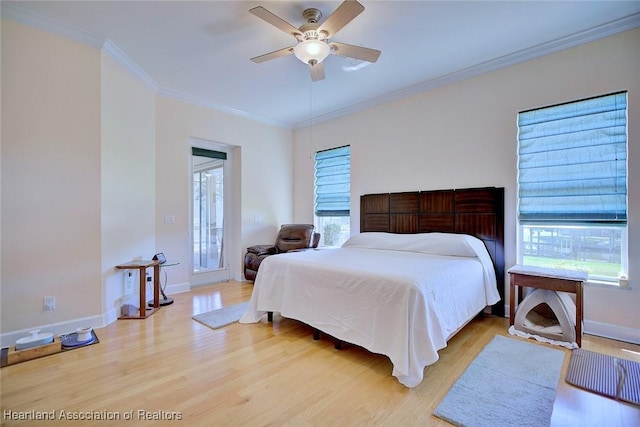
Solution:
(423, 265)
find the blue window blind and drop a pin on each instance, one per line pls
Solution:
(333, 182)
(572, 161)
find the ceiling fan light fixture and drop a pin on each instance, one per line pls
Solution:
(310, 51)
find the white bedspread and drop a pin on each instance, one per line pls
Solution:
(388, 293)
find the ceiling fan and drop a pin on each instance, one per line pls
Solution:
(313, 38)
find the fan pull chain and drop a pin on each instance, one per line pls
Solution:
(311, 120)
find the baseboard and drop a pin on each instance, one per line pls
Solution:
(177, 288)
(99, 321)
(614, 332)
(9, 338)
(110, 316)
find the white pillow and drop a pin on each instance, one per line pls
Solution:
(430, 243)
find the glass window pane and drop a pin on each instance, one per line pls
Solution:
(334, 230)
(597, 250)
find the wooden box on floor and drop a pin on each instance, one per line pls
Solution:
(16, 356)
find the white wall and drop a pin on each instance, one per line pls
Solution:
(464, 135)
(92, 160)
(263, 167)
(50, 178)
(78, 181)
(128, 187)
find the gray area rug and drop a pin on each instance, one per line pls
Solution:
(221, 317)
(510, 383)
(606, 375)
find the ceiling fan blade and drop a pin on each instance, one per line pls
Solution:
(357, 52)
(317, 72)
(340, 17)
(275, 20)
(273, 55)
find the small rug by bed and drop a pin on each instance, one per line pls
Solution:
(605, 375)
(222, 317)
(510, 383)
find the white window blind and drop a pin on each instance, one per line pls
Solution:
(572, 161)
(333, 182)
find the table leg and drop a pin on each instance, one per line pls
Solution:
(512, 299)
(143, 289)
(579, 308)
(156, 286)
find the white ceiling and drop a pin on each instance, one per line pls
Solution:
(199, 50)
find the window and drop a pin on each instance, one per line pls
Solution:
(572, 186)
(333, 195)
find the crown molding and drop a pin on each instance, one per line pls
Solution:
(17, 14)
(203, 102)
(31, 19)
(14, 13)
(614, 27)
(129, 64)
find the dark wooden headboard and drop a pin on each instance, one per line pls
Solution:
(478, 212)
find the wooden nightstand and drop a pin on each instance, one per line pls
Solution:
(547, 278)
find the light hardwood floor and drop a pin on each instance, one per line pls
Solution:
(169, 366)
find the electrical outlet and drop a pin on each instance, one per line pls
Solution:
(49, 303)
(129, 285)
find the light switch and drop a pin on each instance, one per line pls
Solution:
(169, 219)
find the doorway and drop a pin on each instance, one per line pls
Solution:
(210, 192)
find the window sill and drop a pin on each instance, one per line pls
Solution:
(605, 284)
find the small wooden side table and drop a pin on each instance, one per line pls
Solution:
(547, 278)
(142, 267)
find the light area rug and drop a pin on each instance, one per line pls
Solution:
(510, 383)
(221, 317)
